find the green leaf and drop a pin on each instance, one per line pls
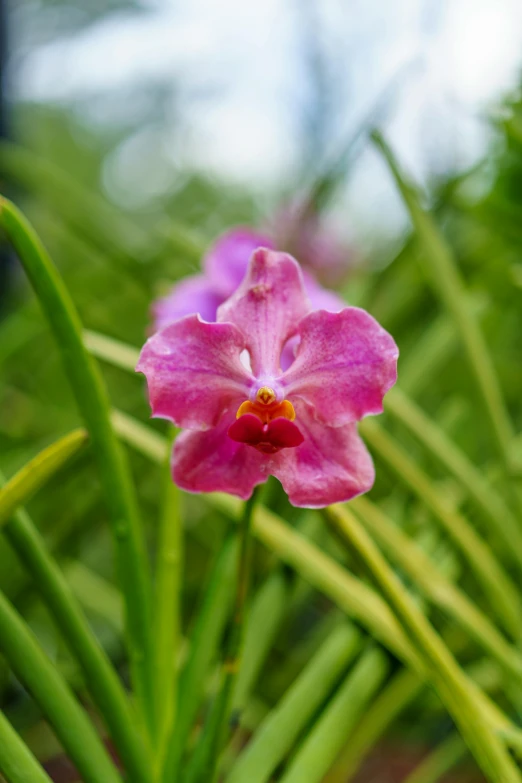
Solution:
(454, 688)
(73, 727)
(22, 486)
(112, 351)
(350, 594)
(100, 676)
(114, 472)
(17, 763)
(204, 644)
(265, 618)
(398, 694)
(489, 502)
(503, 595)
(439, 761)
(333, 728)
(426, 575)
(444, 275)
(281, 728)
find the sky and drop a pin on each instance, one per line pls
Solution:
(242, 89)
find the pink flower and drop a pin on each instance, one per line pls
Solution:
(224, 266)
(300, 229)
(245, 420)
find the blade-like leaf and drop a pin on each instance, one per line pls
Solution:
(22, 486)
(41, 677)
(454, 688)
(114, 472)
(17, 763)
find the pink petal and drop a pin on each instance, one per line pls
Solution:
(226, 261)
(332, 464)
(191, 295)
(194, 372)
(322, 298)
(267, 307)
(345, 364)
(212, 462)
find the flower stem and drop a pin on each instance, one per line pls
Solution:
(167, 632)
(206, 758)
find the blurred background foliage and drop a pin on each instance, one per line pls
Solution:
(124, 213)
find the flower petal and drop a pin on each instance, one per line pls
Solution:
(191, 295)
(226, 261)
(266, 307)
(194, 372)
(212, 462)
(332, 464)
(322, 298)
(345, 364)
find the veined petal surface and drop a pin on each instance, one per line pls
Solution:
(345, 364)
(194, 372)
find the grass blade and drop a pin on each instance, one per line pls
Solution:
(488, 501)
(73, 727)
(443, 272)
(17, 763)
(22, 486)
(115, 476)
(350, 594)
(398, 694)
(204, 643)
(446, 675)
(111, 351)
(265, 618)
(100, 677)
(439, 761)
(277, 734)
(331, 731)
(436, 587)
(497, 585)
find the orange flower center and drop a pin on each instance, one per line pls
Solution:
(266, 408)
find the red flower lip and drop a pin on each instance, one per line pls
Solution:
(271, 437)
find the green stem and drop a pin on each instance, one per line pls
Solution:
(214, 734)
(444, 672)
(73, 727)
(167, 610)
(100, 677)
(17, 763)
(204, 643)
(93, 402)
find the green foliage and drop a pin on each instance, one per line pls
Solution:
(416, 586)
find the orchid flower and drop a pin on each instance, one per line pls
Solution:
(224, 267)
(244, 417)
